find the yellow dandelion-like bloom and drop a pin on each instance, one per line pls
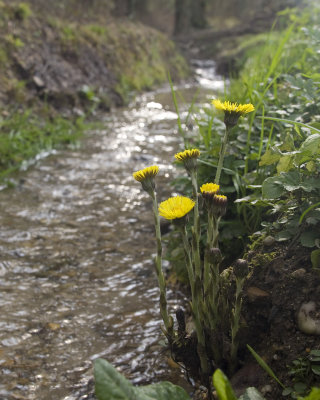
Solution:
(211, 188)
(241, 109)
(232, 111)
(176, 207)
(146, 173)
(187, 154)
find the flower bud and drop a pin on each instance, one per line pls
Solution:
(214, 256)
(241, 268)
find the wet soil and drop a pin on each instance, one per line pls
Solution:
(281, 281)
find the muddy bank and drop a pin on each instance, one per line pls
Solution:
(45, 57)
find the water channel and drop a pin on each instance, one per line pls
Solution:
(76, 244)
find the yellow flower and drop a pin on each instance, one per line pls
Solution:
(211, 188)
(176, 207)
(232, 111)
(146, 177)
(146, 173)
(187, 154)
(189, 159)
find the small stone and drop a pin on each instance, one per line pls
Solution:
(266, 389)
(52, 326)
(255, 293)
(38, 81)
(298, 273)
(268, 241)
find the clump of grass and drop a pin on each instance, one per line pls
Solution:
(23, 136)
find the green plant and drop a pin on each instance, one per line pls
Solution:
(24, 136)
(22, 11)
(110, 384)
(225, 392)
(303, 372)
(209, 288)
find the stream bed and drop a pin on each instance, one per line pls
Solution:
(77, 280)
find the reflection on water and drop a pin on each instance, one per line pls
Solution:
(76, 275)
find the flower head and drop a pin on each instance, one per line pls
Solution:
(176, 207)
(211, 188)
(220, 205)
(232, 111)
(146, 177)
(189, 158)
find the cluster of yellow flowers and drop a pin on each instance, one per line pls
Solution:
(178, 206)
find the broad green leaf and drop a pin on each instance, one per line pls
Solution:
(162, 391)
(308, 239)
(283, 236)
(110, 384)
(285, 164)
(314, 395)
(222, 386)
(272, 187)
(251, 393)
(309, 149)
(287, 391)
(316, 369)
(265, 366)
(271, 156)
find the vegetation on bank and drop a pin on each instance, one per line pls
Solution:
(271, 176)
(53, 68)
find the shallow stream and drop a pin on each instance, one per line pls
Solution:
(76, 243)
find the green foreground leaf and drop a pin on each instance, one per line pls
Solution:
(265, 366)
(222, 386)
(110, 384)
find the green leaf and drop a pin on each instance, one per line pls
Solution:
(314, 395)
(222, 386)
(315, 258)
(161, 391)
(287, 121)
(272, 188)
(264, 365)
(285, 163)
(308, 239)
(283, 236)
(110, 384)
(271, 156)
(287, 391)
(251, 393)
(316, 369)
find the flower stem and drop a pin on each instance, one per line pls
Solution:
(222, 154)
(196, 226)
(167, 320)
(196, 293)
(235, 323)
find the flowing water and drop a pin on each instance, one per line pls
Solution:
(76, 243)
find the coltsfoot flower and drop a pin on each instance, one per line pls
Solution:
(210, 188)
(220, 204)
(189, 158)
(146, 177)
(232, 111)
(176, 207)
